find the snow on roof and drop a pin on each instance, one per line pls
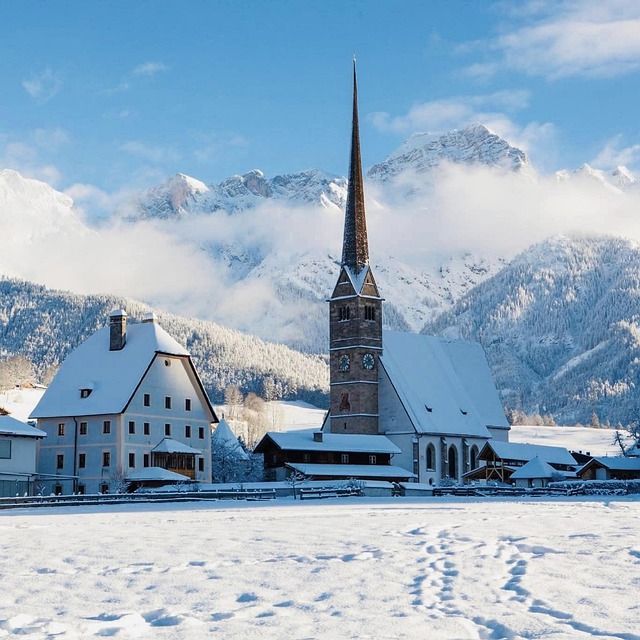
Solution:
(634, 450)
(11, 427)
(351, 470)
(526, 452)
(535, 468)
(445, 385)
(155, 473)
(304, 441)
(169, 445)
(620, 463)
(357, 279)
(113, 375)
(227, 438)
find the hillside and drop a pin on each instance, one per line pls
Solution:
(560, 326)
(45, 325)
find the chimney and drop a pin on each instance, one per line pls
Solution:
(117, 330)
(149, 318)
(317, 436)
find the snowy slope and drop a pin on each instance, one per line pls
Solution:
(559, 325)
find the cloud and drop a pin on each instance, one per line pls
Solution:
(443, 115)
(614, 154)
(149, 69)
(554, 39)
(43, 86)
(152, 153)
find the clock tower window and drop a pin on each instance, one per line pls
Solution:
(344, 314)
(369, 312)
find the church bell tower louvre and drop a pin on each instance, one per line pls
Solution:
(355, 313)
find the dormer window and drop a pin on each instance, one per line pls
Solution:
(463, 412)
(344, 313)
(85, 393)
(428, 408)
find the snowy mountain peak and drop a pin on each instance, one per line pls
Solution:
(172, 198)
(616, 180)
(475, 144)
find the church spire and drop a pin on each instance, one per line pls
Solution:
(355, 249)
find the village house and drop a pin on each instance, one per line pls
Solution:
(128, 398)
(18, 444)
(611, 468)
(430, 402)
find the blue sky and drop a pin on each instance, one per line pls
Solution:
(103, 98)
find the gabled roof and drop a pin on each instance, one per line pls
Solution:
(535, 468)
(351, 470)
(525, 452)
(338, 442)
(614, 463)
(224, 436)
(154, 474)
(11, 427)
(112, 376)
(444, 385)
(169, 445)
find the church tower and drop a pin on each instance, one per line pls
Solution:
(355, 313)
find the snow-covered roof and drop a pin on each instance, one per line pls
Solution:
(224, 436)
(535, 468)
(444, 385)
(304, 441)
(11, 427)
(526, 452)
(112, 376)
(155, 473)
(169, 445)
(351, 470)
(619, 463)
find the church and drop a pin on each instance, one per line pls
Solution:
(433, 399)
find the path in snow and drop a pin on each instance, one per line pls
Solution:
(438, 569)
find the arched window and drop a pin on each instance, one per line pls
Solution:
(473, 457)
(369, 312)
(344, 313)
(453, 462)
(431, 457)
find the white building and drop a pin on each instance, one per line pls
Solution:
(125, 399)
(18, 442)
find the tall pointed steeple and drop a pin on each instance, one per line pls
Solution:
(355, 248)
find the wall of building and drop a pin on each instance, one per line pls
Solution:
(23, 457)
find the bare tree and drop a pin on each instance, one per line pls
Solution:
(233, 400)
(118, 480)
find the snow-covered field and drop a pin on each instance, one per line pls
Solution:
(351, 568)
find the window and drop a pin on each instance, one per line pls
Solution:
(201, 433)
(82, 460)
(146, 429)
(57, 490)
(83, 428)
(132, 426)
(146, 399)
(104, 488)
(187, 404)
(200, 464)
(106, 426)
(132, 460)
(344, 458)
(344, 313)
(145, 460)
(431, 457)
(167, 429)
(306, 457)
(167, 402)
(61, 428)
(60, 461)
(372, 460)
(5, 449)
(187, 430)
(85, 393)
(369, 312)
(82, 489)
(106, 460)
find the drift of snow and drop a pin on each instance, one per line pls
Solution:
(352, 568)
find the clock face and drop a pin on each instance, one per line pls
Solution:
(368, 361)
(344, 363)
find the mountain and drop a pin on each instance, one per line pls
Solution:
(182, 195)
(45, 325)
(617, 180)
(561, 328)
(475, 144)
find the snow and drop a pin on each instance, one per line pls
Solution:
(520, 451)
(114, 374)
(155, 473)
(168, 445)
(445, 385)
(304, 441)
(440, 568)
(535, 468)
(224, 436)
(12, 427)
